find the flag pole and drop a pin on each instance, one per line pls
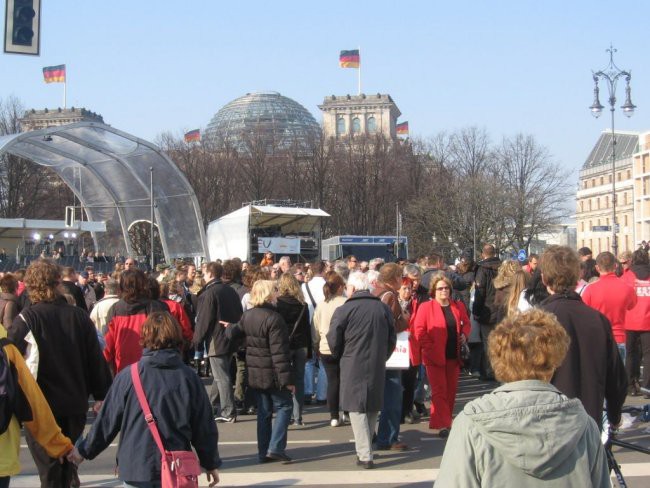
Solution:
(359, 73)
(65, 87)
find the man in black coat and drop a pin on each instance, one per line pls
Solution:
(592, 369)
(218, 302)
(484, 308)
(362, 337)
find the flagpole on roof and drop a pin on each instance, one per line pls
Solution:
(359, 72)
(65, 87)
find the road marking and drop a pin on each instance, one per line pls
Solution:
(301, 478)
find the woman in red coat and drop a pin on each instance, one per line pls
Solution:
(441, 325)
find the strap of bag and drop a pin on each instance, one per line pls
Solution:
(311, 297)
(295, 326)
(144, 404)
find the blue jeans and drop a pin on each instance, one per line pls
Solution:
(420, 392)
(298, 359)
(142, 484)
(388, 430)
(272, 436)
(321, 385)
(309, 377)
(622, 351)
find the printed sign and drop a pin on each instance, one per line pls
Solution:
(278, 245)
(400, 357)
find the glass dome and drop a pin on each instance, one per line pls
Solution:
(279, 122)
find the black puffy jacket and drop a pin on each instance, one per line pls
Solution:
(296, 316)
(484, 309)
(267, 347)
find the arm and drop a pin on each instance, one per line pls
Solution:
(459, 467)
(43, 426)
(336, 333)
(465, 325)
(616, 381)
(457, 281)
(17, 332)
(205, 436)
(392, 335)
(315, 330)
(420, 324)
(97, 372)
(109, 347)
(206, 317)
(184, 320)
(10, 312)
(279, 349)
(109, 419)
(479, 293)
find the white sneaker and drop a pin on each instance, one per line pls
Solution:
(334, 422)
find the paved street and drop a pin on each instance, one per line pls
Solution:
(324, 456)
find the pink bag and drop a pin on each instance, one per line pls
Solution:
(178, 469)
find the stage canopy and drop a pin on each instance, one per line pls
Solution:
(109, 171)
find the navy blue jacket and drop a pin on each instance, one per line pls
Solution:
(179, 403)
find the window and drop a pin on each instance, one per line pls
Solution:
(356, 125)
(601, 180)
(597, 203)
(371, 124)
(340, 126)
(629, 174)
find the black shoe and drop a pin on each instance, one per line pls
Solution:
(276, 456)
(307, 400)
(365, 464)
(420, 408)
(251, 411)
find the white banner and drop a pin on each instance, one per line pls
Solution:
(278, 245)
(400, 357)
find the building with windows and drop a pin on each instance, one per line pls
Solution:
(358, 115)
(641, 176)
(594, 196)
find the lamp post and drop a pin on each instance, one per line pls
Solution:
(611, 74)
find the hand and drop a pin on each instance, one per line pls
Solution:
(291, 388)
(97, 405)
(463, 339)
(213, 477)
(74, 457)
(225, 324)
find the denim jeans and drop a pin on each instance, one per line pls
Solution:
(321, 385)
(388, 430)
(272, 436)
(309, 377)
(420, 391)
(142, 484)
(622, 351)
(298, 359)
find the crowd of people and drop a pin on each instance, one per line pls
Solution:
(565, 334)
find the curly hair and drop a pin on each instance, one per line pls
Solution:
(527, 346)
(42, 279)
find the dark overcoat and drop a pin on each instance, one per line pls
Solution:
(363, 337)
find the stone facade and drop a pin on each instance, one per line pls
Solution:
(594, 196)
(358, 115)
(41, 119)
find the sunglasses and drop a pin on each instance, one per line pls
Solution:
(442, 288)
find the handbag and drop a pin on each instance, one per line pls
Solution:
(178, 469)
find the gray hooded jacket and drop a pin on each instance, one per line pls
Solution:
(524, 433)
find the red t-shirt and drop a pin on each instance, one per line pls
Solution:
(612, 297)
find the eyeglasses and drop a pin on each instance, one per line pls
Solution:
(442, 288)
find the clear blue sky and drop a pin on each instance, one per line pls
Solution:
(506, 66)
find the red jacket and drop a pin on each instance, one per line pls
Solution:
(431, 330)
(638, 277)
(612, 297)
(179, 313)
(124, 325)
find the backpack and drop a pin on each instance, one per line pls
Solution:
(8, 388)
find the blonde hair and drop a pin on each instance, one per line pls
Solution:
(261, 293)
(518, 285)
(506, 273)
(288, 285)
(440, 276)
(527, 346)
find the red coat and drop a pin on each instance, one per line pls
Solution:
(431, 330)
(639, 317)
(612, 297)
(178, 312)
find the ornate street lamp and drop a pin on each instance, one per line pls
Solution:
(611, 75)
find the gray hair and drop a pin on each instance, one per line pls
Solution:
(376, 263)
(412, 269)
(285, 259)
(342, 269)
(359, 281)
(111, 286)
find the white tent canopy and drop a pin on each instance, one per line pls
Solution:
(109, 171)
(229, 236)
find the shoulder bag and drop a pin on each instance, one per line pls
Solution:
(178, 469)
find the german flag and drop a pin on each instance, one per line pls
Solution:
(349, 59)
(54, 74)
(193, 135)
(402, 129)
